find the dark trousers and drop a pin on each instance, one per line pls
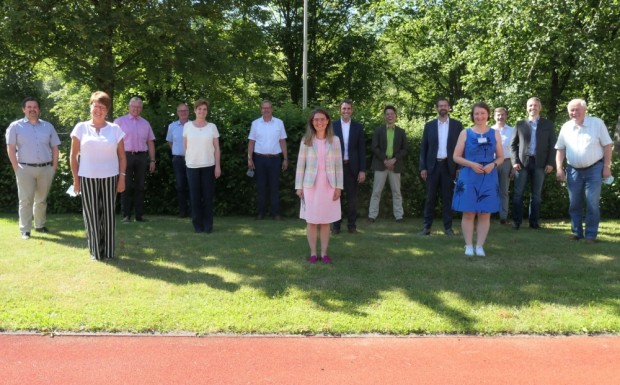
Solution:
(180, 174)
(440, 181)
(267, 174)
(350, 191)
(133, 197)
(536, 175)
(201, 191)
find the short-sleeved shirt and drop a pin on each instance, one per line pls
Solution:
(33, 142)
(98, 151)
(175, 136)
(267, 135)
(200, 150)
(583, 144)
(138, 132)
(506, 133)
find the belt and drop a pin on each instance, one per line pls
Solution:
(587, 167)
(135, 152)
(345, 161)
(37, 164)
(178, 156)
(267, 155)
(441, 159)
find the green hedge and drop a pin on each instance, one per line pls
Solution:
(235, 192)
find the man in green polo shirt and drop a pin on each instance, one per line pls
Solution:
(389, 148)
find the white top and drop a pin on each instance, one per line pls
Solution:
(442, 133)
(506, 134)
(346, 128)
(583, 144)
(267, 135)
(98, 151)
(200, 151)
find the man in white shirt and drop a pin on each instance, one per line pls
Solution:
(504, 172)
(267, 155)
(353, 146)
(587, 146)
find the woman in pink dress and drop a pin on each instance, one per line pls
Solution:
(319, 181)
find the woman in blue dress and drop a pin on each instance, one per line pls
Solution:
(479, 152)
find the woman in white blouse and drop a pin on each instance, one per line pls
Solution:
(98, 165)
(202, 158)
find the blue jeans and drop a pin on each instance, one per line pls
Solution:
(584, 183)
(268, 178)
(536, 175)
(201, 191)
(180, 174)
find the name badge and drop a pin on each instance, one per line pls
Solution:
(483, 140)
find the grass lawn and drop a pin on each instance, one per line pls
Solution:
(251, 277)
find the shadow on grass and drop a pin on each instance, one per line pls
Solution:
(523, 268)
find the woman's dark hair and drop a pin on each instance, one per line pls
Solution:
(482, 105)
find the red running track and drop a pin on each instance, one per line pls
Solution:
(164, 360)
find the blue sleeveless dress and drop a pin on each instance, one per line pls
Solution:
(477, 193)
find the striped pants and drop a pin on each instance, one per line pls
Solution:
(98, 204)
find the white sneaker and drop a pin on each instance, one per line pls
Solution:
(469, 250)
(480, 251)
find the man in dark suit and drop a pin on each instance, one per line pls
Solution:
(389, 148)
(437, 167)
(532, 153)
(351, 136)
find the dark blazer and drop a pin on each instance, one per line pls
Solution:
(379, 146)
(357, 145)
(545, 143)
(430, 145)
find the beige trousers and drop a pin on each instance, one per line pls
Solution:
(377, 189)
(33, 185)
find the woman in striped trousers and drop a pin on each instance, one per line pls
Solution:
(98, 165)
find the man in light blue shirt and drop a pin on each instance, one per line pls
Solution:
(175, 142)
(32, 146)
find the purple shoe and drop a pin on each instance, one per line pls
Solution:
(313, 259)
(326, 259)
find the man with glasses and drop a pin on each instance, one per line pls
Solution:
(140, 152)
(267, 155)
(389, 149)
(32, 146)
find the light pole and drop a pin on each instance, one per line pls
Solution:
(304, 102)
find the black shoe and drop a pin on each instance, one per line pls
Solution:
(399, 220)
(534, 226)
(25, 234)
(277, 218)
(515, 226)
(503, 221)
(573, 238)
(352, 230)
(141, 219)
(335, 231)
(260, 217)
(42, 230)
(126, 219)
(371, 220)
(449, 232)
(425, 231)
